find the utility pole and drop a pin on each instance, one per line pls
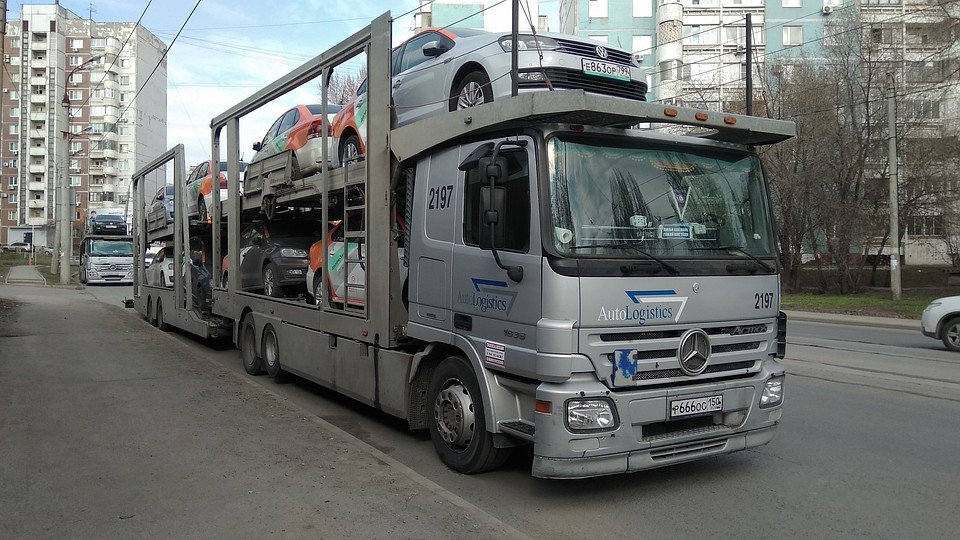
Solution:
(749, 61)
(894, 205)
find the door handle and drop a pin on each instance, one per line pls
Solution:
(462, 322)
(397, 83)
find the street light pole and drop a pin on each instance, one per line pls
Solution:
(64, 211)
(893, 205)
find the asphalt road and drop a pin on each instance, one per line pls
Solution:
(866, 448)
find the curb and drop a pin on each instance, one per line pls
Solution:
(856, 320)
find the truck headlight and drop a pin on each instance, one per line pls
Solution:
(772, 392)
(593, 414)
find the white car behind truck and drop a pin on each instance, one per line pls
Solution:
(605, 295)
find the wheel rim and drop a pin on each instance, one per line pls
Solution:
(202, 206)
(471, 95)
(350, 151)
(268, 284)
(953, 335)
(454, 415)
(270, 351)
(317, 290)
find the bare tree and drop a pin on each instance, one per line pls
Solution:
(343, 86)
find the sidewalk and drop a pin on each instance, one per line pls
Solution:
(112, 429)
(25, 275)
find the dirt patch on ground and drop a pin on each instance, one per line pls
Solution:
(7, 308)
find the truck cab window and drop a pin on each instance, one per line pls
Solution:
(516, 222)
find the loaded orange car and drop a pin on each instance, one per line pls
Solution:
(200, 188)
(299, 130)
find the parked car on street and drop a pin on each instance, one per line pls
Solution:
(449, 69)
(161, 270)
(300, 129)
(19, 247)
(273, 256)
(941, 320)
(108, 224)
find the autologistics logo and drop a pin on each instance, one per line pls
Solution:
(488, 295)
(662, 305)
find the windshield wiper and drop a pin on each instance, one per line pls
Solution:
(670, 268)
(769, 269)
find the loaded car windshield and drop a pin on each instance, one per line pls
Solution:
(670, 202)
(111, 248)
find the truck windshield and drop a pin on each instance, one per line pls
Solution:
(667, 201)
(111, 248)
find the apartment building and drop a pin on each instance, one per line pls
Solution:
(83, 102)
(489, 15)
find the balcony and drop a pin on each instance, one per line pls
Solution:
(109, 153)
(37, 169)
(38, 117)
(37, 186)
(38, 151)
(41, 221)
(37, 203)
(110, 171)
(110, 118)
(39, 63)
(38, 98)
(109, 188)
(110, 83)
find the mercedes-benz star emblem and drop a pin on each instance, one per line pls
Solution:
(601, 51)
(694, 351)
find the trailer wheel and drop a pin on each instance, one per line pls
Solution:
(150, 318)
(252, 361)
(163, 326)
(270, 286)
(458, 428)
(271, 352)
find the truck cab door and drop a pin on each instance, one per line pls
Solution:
(493, 314)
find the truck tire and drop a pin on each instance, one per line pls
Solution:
(252, 361)
(270, 286)
(271, 352)
(950, 334)
(458, 426)
(161, 324)
(150, 318)
(473, 90)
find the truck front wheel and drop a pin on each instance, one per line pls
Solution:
(458, 427)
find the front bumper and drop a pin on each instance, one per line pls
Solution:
(292, 272)
(646, 437)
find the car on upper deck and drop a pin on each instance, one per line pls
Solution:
(108, 224)
(300, 130)
(200, 188)
(448, 69)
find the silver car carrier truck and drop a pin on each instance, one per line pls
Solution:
(607, 295)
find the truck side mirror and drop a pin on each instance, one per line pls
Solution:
(493, 207)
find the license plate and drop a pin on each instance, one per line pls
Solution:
(606, 69)
(695, 407)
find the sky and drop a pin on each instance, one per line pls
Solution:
(229, 49)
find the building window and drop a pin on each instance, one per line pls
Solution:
(643, 8)
(12, 147)
(98, 42)
(792, 36)
(76, 78)
(925, 71)
(75, 60)
(74, 181)
(925, 226)
(76, 146)
(597, 9)
(125, 80)
(14, 112)
(12, 215)
(123, 131)
(76, 112)
(14, 198)
(642, 45)
(123, 165)
(124, 148)
(598, 37)
(792, 3)
(13, 181)
(124, 62)
(884, 35)
(922, 109)
(76, 95)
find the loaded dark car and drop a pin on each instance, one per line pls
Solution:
(108, 225)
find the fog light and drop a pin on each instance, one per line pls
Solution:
(591, 415)
(772, 392)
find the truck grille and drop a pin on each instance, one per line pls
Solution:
(112, 267)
